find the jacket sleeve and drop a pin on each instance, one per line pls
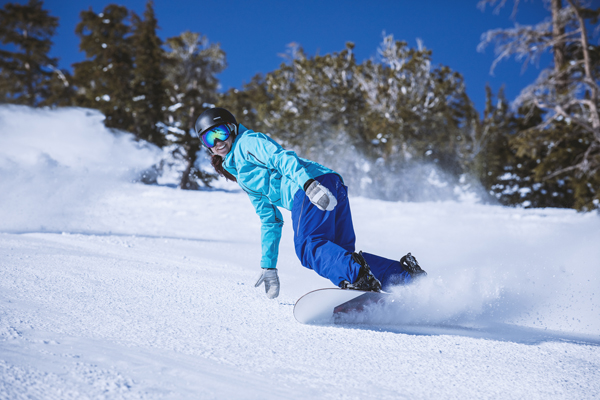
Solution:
(265, 152)
(271, 225)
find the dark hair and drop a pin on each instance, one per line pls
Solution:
(217, 163)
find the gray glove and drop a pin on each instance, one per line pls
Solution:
(321, 197)
(271, 280)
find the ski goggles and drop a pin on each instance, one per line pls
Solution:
(220, 132)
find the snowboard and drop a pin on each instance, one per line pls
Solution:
(325, 306)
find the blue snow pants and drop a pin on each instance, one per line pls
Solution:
(324, 240)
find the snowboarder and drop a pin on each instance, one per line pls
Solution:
(317, 197)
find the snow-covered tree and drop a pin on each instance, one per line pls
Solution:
(421, 109)
(565, 143)
(375, 122)
(314, 100)
(191, 68)
(149, 87)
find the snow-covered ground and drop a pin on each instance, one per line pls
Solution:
(111, 289)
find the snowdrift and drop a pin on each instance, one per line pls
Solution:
(54, 163)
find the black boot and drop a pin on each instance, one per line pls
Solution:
(366, 280)
(410, 265)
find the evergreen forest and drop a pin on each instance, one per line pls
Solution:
(396, 127)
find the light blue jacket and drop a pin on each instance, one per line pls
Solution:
(271, 176)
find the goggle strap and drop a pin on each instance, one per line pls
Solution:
(232, 128)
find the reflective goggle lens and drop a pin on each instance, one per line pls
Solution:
(220, 132)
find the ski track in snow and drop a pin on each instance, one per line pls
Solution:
(164, 307)
(113, 290)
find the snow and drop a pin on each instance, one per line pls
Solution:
(116, 290)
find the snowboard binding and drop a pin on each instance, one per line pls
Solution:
(410, 264)
(365, 281)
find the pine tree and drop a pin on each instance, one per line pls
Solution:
(250, 103)
(491, 158)
(149, 87)
(104, 79)
(314, 99)
(27, 72)
(427, 104)
(191, 66)
(375, 122)
(501, 170)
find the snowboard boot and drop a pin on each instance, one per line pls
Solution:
(410, 265)
(366, 280)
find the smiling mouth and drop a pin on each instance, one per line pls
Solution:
(221, 147)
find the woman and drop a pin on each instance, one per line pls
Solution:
(323, 234)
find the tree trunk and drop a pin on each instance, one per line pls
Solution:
(187, 181)
(559, 47)
(589, 78)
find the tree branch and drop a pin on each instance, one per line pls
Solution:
(588, 71)
(585, 165)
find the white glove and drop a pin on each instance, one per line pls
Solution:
(321, 197)
(271, 280)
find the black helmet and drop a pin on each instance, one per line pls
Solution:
(213, 117)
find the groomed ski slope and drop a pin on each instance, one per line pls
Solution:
(116, 290)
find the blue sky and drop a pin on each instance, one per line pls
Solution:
(253, 33)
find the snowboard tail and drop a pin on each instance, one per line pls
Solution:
(326, 306)
(359, 303)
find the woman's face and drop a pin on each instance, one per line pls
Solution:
(222, 147)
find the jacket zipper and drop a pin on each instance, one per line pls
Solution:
(256, 158)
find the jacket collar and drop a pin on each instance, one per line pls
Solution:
(228, 162)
